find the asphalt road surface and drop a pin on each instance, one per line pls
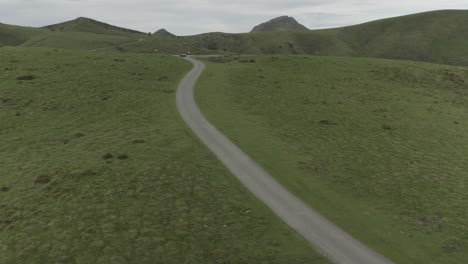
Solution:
(326, 237)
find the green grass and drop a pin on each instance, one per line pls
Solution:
(96, 166)
(377, 146)
(258, 43)
(15, 35)
(438, 36)
(76, 40)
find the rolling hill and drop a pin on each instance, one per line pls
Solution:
(81, 33)
(164, 33)
(88, 25)
(15, 35)
(437, 37)
(247, 43)
(279, 24)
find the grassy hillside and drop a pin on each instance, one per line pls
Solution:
(97, 167)
(377, 146)
(321, 43)
(439, 36)
(76, 40)
(16, 35)
(163, 33)
(82, 33)
(83, 24)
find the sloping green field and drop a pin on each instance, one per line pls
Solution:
(76, 40)
(97, 167)
(15, 35)
(81, 33)
(378, 146)
(438, 36)
(304, 42)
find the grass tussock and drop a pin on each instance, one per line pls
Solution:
(42, 179)
(26, 78)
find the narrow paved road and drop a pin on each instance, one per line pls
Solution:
(121, 45)
(330, 240)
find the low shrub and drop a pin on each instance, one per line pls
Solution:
(107, 156)
(79, 135)
(122, 157)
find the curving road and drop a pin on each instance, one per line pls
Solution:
(329, 239)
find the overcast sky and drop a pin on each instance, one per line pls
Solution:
(186, 17)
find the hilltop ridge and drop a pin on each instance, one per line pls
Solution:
(164, 33)
(279, 24)
(89, 25)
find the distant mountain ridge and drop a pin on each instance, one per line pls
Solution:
(280, 24)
